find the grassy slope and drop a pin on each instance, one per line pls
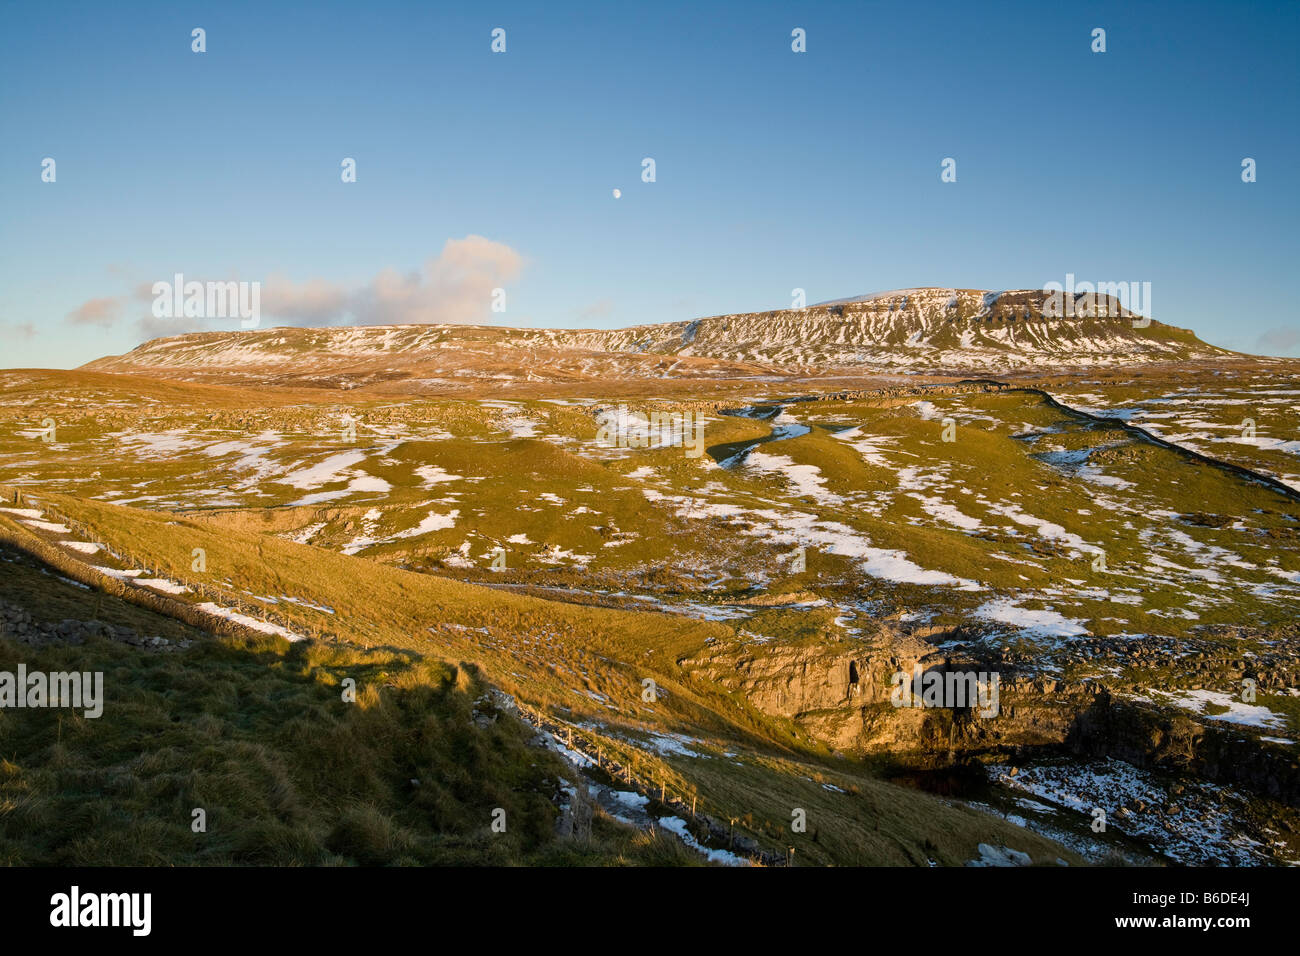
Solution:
(256, 734)
(554, 655)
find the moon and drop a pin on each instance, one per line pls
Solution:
(618, 193)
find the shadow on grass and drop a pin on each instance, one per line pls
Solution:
(289, 763)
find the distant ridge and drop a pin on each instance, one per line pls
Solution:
(930, 330)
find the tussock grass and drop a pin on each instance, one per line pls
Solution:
(256, 733)
(583, 665)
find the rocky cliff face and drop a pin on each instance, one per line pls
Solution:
(841, 694)
(924, 329)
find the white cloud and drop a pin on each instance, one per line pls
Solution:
(453, 287)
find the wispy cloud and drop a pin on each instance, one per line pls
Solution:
(453, 287)
(17, 330)
(600, 309)
(103, 311)
(1279, 341)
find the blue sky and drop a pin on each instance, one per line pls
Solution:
(775, 170)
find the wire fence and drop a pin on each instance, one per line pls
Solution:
(686, 805)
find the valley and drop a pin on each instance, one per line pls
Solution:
(1105, 516)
